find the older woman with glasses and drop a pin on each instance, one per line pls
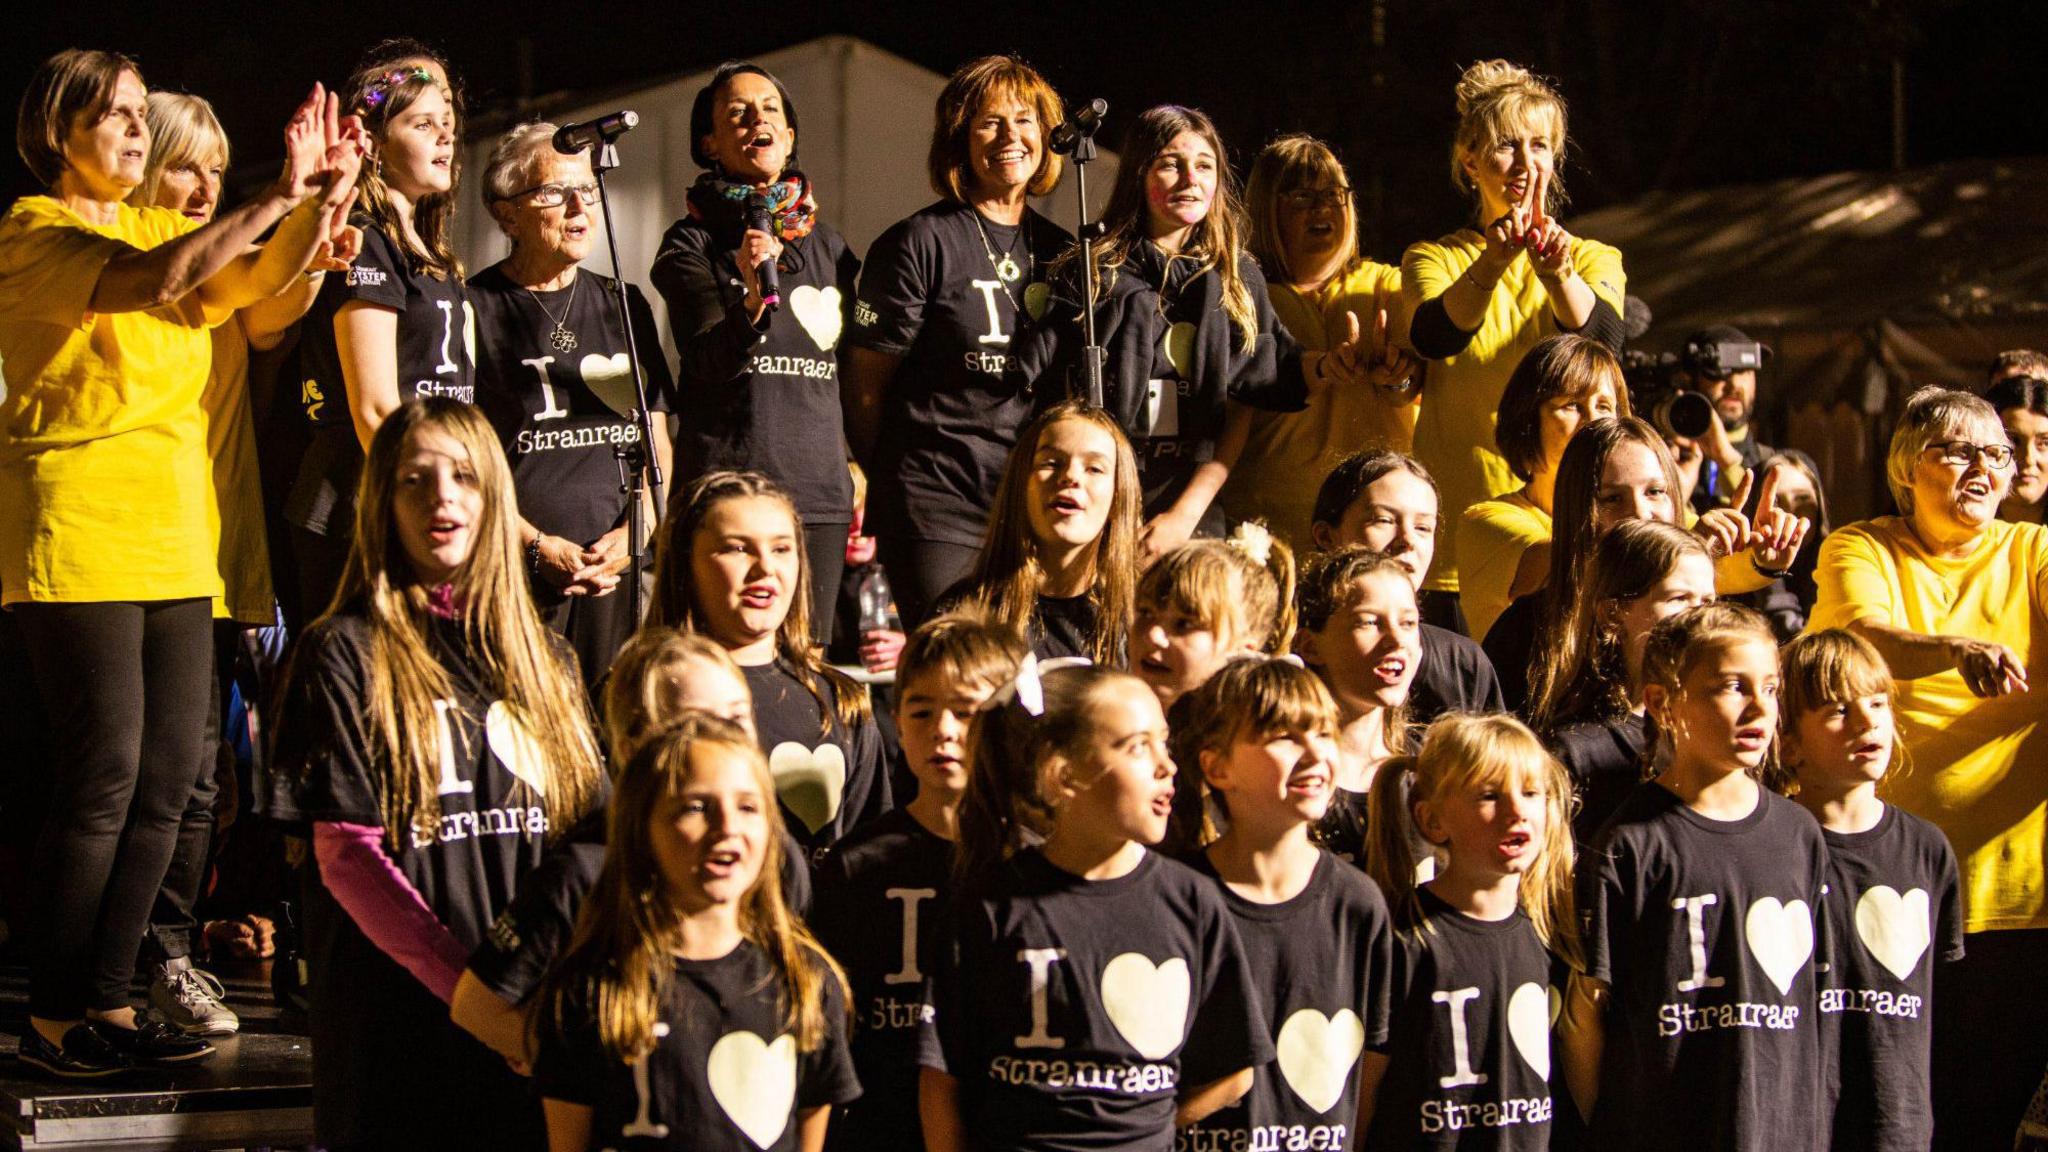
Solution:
(1956, 600)
(554, 378)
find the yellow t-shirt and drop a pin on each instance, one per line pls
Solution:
(1977, 768)
(105, 492)
(244, 553)
(1461, 394)
(1289, 453)
(1491, 542)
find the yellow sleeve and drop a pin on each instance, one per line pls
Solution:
(1599, 265)
(49, 269)
(1849, 580)
(1425, 272)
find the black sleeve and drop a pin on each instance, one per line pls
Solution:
(1485, 684)
(846, 274)
(1044, 352)
(320, 762)
(571, 1064)
(796, 877)
(1600, 899)
(942, 1036)
(1604, 325)
(871, 762)
(379, 272)
(1228, 1033)
(534, 929)
(1272, 379)
(661, 383)
(712, 338)
(895, 286)
(1948, 928)
(1433, 334)
(826, 1074)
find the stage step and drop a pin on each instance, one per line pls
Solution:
(256, 1093)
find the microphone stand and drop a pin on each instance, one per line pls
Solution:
(637, 464)
(1093, 354)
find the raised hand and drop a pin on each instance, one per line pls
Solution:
(1549, 245)
(1386, 366)
(1775, 534)
(305, 146)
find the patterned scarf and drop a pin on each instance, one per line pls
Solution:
(718, 202)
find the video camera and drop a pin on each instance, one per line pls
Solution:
(1659, 382)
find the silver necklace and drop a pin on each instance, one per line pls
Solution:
(1007, 270)
(559, 337)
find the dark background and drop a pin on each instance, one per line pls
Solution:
(1663, 95)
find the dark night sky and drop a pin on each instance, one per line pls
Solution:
(1663, 95)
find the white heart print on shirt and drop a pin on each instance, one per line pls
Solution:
(1316, 1053)
(817, 309)
(810, 782)
(1780, 936)
(1147, 1002)
(610, 379)
(1529, 1026)
(514, 746)
(755, 1082)
(1894, 927)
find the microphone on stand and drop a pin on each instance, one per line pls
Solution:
(571, 139)
(1081, 127)
(764, 275)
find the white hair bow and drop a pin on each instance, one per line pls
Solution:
(1252, 539)
(1027, 687)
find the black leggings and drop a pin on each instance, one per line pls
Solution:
(125, 686)
(825, 551)
(919, 570)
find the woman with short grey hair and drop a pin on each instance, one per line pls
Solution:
(554, 378)
(1956, 600)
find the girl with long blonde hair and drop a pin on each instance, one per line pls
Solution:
(686, 961)
(433, 740)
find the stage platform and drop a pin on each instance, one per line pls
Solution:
(256, 1093)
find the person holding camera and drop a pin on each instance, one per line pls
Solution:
(1719, 364)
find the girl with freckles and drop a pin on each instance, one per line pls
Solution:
(1182, 312)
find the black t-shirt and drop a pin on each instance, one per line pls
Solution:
(1074, 1011)
(1706, 930)
(1894, 908)
(560, 413)
(436, 357)
(365, 1007)
(1064, 626)
(1319, 965)
(1605, 761)
(725, 1074)
(930, 293)
(1455, 676)
(1510, 643)
(830, 784)
(1342, 830)
(761, 399)
(1468, 1046)
(883, 893)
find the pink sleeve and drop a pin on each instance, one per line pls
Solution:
(385, 905)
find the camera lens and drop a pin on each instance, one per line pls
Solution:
(1687, 414)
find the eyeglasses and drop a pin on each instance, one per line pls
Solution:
(556, 195)
(1962, 454)
(1305, 199)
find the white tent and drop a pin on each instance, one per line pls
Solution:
(864, 120)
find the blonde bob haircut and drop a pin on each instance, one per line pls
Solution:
(645, 679)
(972, 88)
(183, 132)
(1461, 754)
(74, 84)
(1291, 164)
(1933, 413)
(1499, 100)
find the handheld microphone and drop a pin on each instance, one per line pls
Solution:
(571, 139)
(764, 274)
(1083, 124)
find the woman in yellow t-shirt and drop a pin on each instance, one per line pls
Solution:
(1504, 544)
(107, 523)
(1483, 296)
(1305, 234)
(1956, 601)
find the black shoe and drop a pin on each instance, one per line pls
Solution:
(152, 1041)
(85, 1054)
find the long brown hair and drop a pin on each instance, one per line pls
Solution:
(1572, 528)
(1020, 761)
(675, 589)
(621, 961)
(511, 647)
(1561, 366)
(1579, 671)
(1216, 243)
(379, 94)
(1461, 752)
(1007, 578)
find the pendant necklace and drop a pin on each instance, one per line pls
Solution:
(1006, 269)
(559, 337)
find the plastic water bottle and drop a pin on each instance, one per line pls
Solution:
(877, 604)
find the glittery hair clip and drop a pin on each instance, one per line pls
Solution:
(377, 89)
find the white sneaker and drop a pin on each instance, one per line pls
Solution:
(190, 1000)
